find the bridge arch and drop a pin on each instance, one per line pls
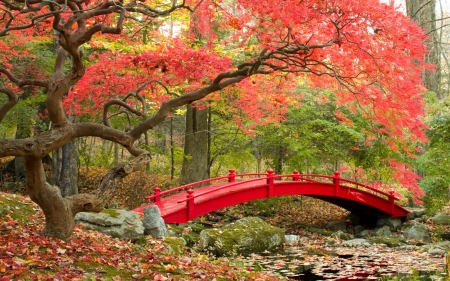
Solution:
(361, 200)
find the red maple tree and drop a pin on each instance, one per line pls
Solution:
(368, 52)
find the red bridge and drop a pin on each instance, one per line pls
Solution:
(362, 200)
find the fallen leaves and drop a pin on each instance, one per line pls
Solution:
(91, 255)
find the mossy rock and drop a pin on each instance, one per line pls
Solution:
(320, 231)
(175, 245)
(243, 237)
(113, 213)
(389, 241)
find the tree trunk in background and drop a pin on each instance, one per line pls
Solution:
(65, 169)
(195, 162)
(196, 151)
(424, 12)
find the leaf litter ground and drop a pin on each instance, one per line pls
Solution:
(89, 255)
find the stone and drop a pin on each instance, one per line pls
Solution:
(364, 233)
(445, 236)
(243, 237)
(342, 235)
(358, 229)
(383, 231)
(390, 242)
(394, 224)
(120, 224)
(337, 226)
(417, 231)
(291, 239)
(357, 242)
(441, 219)
(415, 213)
(153, 222)
(436, 251)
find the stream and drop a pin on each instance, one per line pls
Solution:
(310, 261)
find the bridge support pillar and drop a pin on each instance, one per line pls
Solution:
(157, 194)
(231, 175)
(337, 183)
(190, 205)
(270, 183)
(391, 202)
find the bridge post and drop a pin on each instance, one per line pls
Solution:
(270, 182)
(391, 201)
(296, 176)
(190, 204)
(157, 194)
(337, 183)
(231, 175)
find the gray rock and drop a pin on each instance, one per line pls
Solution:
(337, 226)
(417, 231)
(415, 213)
(364, 233)
(358, 229)
(116, 223)
(441, 219)
(356, 242)
(245, 236)
(436, 251)
(291, 239)
(342, 235)
(383, 231)
(153, 222)
(394, 224)
(445, 245)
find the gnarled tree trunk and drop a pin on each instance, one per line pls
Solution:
(59, 212)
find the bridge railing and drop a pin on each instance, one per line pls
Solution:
(231, 177)
(270, 176)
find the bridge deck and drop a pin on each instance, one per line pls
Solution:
(355, 197)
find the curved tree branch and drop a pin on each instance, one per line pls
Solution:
(12, 100)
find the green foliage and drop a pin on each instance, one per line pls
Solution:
(433, 164)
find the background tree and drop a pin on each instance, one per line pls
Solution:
(368, 53)
(424, 12)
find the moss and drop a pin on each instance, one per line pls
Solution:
(105, 270)
(175, 245)
(113, 213)
(389, 241)
(13, 205)
(246, 236)
(320, 231)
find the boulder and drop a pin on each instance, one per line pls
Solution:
(415, 213)
(441, 219)
(391, 242)
(342, 235)
(121, 224)
(291, 239)
(153, 222)
(383, 231)
(337, 226)
(358, 229)
(245, 236)
(358, 242)
(394, 224)
(439, 248)
(416, 231)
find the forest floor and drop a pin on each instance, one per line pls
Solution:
(90, 255)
